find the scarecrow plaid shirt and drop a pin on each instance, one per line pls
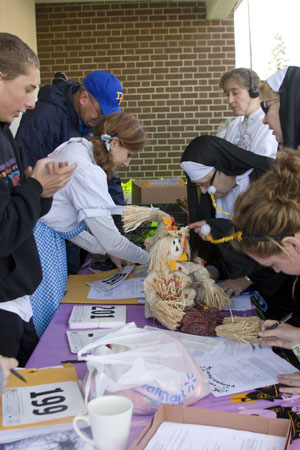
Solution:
(201, 319)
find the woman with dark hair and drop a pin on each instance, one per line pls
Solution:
(86, 203)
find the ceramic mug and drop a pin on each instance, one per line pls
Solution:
(109, 417)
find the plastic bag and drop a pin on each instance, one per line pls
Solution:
(150, 368)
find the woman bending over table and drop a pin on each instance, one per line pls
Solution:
(267, 218)
(84, 204)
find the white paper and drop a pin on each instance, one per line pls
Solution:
(239, 303)
(79, 339)
(133, 288)
(112, 281)
(231, 367)
(68, 440)
(32, 404)
(97, 316)
(179, 436)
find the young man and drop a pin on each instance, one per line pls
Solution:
(25, 195)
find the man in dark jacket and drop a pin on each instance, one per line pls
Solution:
(25, 195)
(67, 110)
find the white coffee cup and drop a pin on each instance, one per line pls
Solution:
(109, 418)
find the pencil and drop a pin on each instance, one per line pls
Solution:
(16, 374)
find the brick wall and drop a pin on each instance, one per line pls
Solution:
(168, 57)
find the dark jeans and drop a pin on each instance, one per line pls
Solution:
(17, 337)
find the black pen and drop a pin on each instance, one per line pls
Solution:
(283, 320)
(16, 374)
(73, 361)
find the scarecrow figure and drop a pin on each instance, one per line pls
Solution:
(173, 282)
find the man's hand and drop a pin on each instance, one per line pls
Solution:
(7, 364)
(51, 175)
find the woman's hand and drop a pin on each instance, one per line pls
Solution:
(7, 364)
(120, 263)
(292, 383)
(196, 226)
(284, 336)
(236, 286)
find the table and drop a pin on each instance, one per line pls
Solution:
(53, 348)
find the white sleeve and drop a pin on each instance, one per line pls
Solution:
(108, 235)
(88, 242)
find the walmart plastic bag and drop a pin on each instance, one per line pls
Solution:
(150, 368)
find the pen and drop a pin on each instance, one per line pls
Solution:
(283, 320)
(16, 374)
(72, 361)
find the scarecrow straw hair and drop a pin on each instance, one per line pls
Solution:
(242, 329)
(169, 312)
(134, 216)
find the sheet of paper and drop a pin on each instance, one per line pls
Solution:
(244, 372)
(133, 288)
(230, 366)
(31, 404)
(179, 436)
(240, 303)
(68, 440)
(79, 339)
(112, 282)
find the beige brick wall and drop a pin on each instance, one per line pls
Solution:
(168, 57)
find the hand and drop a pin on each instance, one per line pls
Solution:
(196, 226)
(51, 175)
(236, 286)
(284, 336)
(7, 364)
(292, 383)
(120, 263)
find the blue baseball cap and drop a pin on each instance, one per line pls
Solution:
(106, 88)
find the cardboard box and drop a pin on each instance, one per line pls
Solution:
(157, 191)
(235, 421)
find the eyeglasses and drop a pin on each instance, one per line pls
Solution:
(265, 106)
(209, 183)
(98, 110)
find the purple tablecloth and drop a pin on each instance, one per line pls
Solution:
(53, 348)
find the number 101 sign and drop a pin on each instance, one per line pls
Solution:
(32, 404)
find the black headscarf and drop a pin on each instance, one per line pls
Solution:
(232, 160)
(289, 112)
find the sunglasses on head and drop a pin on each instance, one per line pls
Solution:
(265, 106)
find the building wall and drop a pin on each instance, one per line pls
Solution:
(168, 57)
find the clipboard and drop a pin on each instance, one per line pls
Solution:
(37, 378)
(78, 290)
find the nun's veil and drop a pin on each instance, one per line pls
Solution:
(226, 157)
(289, 111)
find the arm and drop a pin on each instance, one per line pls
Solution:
(109, 237)
(39, 131)
(88, 242)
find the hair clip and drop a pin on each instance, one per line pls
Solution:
(106, 138)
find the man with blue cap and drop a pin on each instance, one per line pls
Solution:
(66, 110)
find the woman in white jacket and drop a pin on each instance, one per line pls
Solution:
(84, 203)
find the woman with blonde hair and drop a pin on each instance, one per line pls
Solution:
(85, 203)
